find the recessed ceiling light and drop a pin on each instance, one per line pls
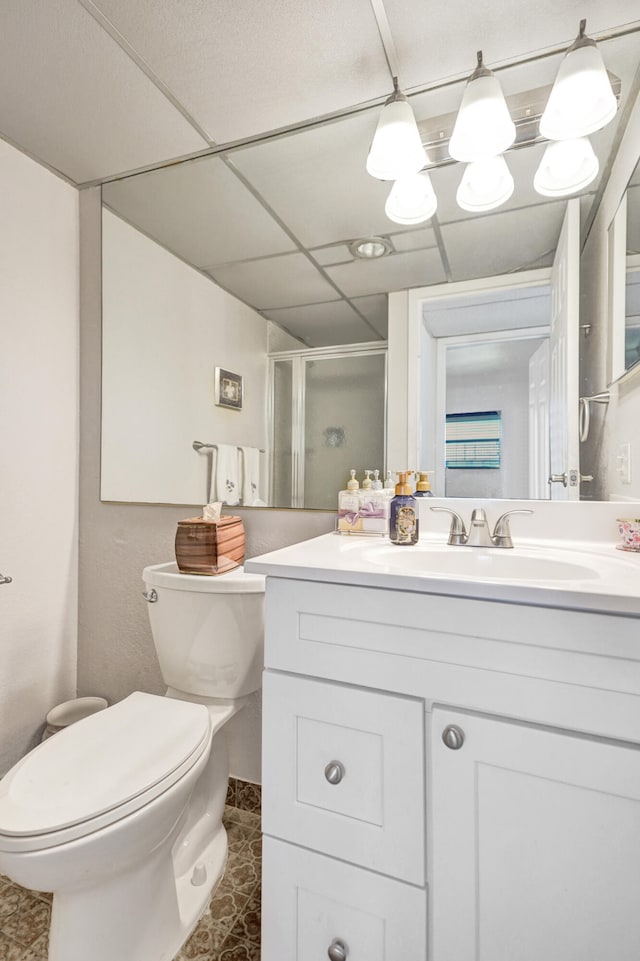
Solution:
(370, 248)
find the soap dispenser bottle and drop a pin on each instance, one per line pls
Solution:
(423, 487)
(349, 505)
(403, 517)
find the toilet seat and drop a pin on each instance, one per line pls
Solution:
(100, 770)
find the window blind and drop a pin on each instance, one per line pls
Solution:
(473, 439)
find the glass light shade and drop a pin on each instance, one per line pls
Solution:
(396, 150)
(566, 167)
(485, 184)
(412, 200)
(483, 127)
(582, 99)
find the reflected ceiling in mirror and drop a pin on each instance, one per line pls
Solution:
(273, 222)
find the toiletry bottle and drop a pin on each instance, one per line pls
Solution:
(367, 483)
(423, 487)
(349, 505)
(403, 517)
(377, 483)
(388, 482)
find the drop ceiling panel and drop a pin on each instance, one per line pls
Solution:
(285, 281)
(317, 183)
(71, 97)
(414, 239)
(323, 325)
(376, 310)
(336, 254)
(199, 210)
(502, 242)
(241, 67)
(503, 29)
(395, 272)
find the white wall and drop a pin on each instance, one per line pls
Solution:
(39, 447)
(165, 329)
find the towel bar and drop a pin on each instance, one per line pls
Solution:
(198, 445)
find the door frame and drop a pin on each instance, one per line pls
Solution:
(413, 350)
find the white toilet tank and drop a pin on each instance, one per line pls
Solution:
(208, 631)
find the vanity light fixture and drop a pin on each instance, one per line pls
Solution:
(582, 98)
(566, 167)
(483, 127)
(412, 200)
(396, 150)
(370, 248)
(485, 184)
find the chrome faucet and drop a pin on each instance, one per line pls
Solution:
(479, 535)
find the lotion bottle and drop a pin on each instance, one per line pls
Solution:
(423, 487)
(403, 516)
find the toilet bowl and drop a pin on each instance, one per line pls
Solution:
(120, 815)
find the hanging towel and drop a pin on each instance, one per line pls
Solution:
(250, 476)
(227, 476)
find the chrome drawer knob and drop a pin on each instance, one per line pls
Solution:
(337, 950)
(453, 737)
(334, 772)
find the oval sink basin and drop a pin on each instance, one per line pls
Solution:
(479, 563)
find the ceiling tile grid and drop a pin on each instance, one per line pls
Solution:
(72, 98)
(285, 281)
(318, 324)
(200, 211)
(242, 68)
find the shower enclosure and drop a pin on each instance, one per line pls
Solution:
(328, 415)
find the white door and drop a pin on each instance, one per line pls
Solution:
(536, 844)
(539, 423)
(564, 456)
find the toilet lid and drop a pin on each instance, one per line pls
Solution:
(101, 763)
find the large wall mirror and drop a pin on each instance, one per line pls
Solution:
(253, 264)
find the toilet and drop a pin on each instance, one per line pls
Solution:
(120, 814)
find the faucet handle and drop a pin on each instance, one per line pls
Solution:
(457, 532)
(501, 536)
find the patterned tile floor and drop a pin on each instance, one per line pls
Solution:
(228, 931)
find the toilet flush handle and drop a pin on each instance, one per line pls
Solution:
(150, 596)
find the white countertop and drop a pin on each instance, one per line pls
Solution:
(589, 576)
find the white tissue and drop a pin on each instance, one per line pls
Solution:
(211, 512)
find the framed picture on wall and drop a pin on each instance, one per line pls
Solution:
(227, 389)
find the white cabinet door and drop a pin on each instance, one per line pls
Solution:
(314, 907)
(344, 773)
(536, 844)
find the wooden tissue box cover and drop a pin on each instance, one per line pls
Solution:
(209, 547)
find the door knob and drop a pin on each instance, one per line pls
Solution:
(5, 579)
(337, 950)
(558, 479)
(453, 737)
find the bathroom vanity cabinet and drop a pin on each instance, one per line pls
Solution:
(447, 778)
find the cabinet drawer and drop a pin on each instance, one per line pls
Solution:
(310, 901)
(344, 772)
